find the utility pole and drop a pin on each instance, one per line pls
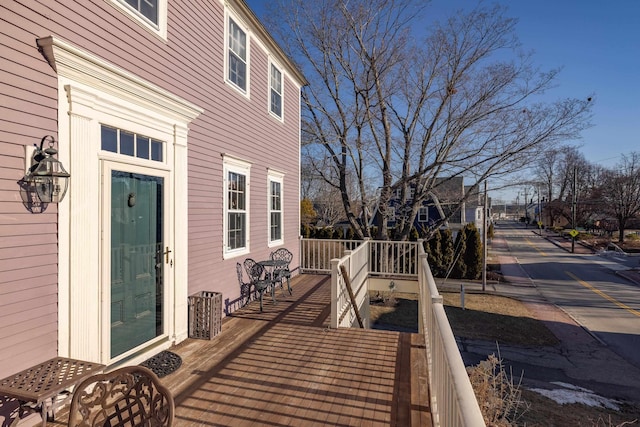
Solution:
(573, 209)
(526, 204)
(485, 226)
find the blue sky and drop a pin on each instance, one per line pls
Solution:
(597, 44)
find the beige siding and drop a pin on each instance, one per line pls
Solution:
(190, 65)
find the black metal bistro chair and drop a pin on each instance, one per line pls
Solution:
(245, 287)
(258, 279)
(282, 272)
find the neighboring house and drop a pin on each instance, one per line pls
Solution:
(179, 123)
(443, 202)
(474, 208)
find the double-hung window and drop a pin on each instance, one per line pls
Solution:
(236, 206)
(237, 69)
(275, 94)
(275, 181)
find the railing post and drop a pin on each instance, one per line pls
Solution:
(335, 293)
(421, 287)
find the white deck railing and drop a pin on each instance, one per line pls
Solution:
(316, 254)
(343, 312)
(453, 402)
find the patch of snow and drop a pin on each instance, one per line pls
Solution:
(570, 393)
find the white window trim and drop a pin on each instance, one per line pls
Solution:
(160, 29)
(236, 165)
(240, 23)
(281, 116)
(275, 176)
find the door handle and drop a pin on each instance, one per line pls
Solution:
(166, 255)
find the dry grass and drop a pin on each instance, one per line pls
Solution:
(497, 319)
(547, 413)
(401, 314)
(499, 396)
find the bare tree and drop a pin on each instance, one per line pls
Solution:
(621, 191)
(412, 113)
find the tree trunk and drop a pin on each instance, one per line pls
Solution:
(622, 222)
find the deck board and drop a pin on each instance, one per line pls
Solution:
(286, 367)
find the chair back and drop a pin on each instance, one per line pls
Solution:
(255, 271)
(245, 288)
(282, 254)
(129, 397)
(240, 274)
(249, 263)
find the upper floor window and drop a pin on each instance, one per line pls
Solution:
(423, 214)
(391, 213)
(275, 208)
(130, 144)
(237, 56)
(276, 92)
(151, 14)
(236, 207)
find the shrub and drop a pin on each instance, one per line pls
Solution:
(500, 398)
(433, 248)
(446, 245)
(472, 255)
(459, 270)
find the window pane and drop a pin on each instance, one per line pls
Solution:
(156, 150)
(126, 143)
(109, 139)
(147, 8)
(142, 147)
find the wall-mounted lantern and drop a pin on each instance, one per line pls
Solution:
(46, 174)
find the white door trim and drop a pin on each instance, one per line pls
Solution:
(91, 92)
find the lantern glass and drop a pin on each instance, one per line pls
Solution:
(51, 179)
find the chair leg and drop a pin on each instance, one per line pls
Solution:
(289, 286)
(261, 293)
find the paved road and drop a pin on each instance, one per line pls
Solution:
(587, 288)
(582, 301)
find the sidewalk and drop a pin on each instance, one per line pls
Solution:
(580, 358)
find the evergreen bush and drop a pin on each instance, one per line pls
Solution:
(459, 270)
(472, 255)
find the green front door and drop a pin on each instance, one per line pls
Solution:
(137, 246)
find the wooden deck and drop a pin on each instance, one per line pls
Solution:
(285, 367)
